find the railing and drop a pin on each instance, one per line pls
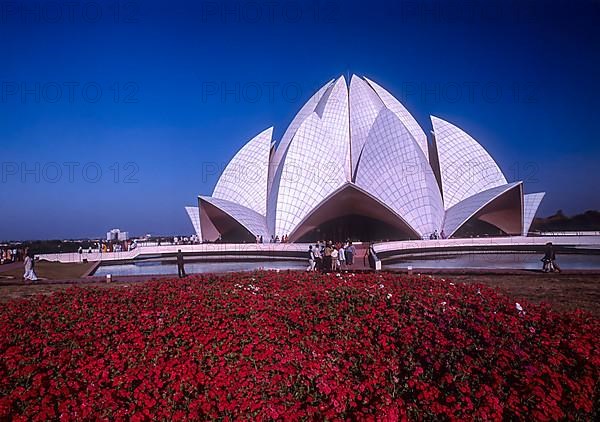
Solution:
(566, 233)
(171, 249)
(409, 246)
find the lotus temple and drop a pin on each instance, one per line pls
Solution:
(355, 164)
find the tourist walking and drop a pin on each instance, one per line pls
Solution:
(311, 259)
(180, 268)
(549, 259)
(29, 267)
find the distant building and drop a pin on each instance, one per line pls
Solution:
(117, 235)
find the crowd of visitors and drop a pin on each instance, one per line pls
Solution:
(184, 240)
(329, 256)
(435, 235)
(274, 239)
(12, 254)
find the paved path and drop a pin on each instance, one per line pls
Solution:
(360, 262)
(11, 266)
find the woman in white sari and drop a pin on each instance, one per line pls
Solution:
(29, 264)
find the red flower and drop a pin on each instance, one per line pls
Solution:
(292, 345)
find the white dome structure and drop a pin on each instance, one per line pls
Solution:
(355, 164)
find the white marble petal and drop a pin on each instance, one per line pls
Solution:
(194, 215)
(317, 161)
(460, 213)
(466, 167)
(531, 203)
(253, 222)
(307, 109)
(394, 169)
(403, 114)
(365, 106)
(244, 180)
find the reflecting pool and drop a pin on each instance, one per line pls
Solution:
(161, 268)
(523, 261)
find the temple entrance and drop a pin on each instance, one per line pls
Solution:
(351, 213)
(478, 228)
(355, 228)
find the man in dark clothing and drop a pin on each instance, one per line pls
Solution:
(350, 251)
(180, 269)
(549, 259)
(327, 257)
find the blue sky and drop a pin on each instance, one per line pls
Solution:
(112, 114)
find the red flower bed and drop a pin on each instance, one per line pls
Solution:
(294, 345)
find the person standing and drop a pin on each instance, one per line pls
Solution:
(335, 264)
(311, 259)
(342, 257)
(367, 255)
(350, 252)
(327, 257)
(29, 267)
(318, 259)
(180, 268)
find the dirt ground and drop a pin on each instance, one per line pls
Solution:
(46, 270)
(24, 290)
(563, 291)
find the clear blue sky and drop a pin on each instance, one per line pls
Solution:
(89, 86)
